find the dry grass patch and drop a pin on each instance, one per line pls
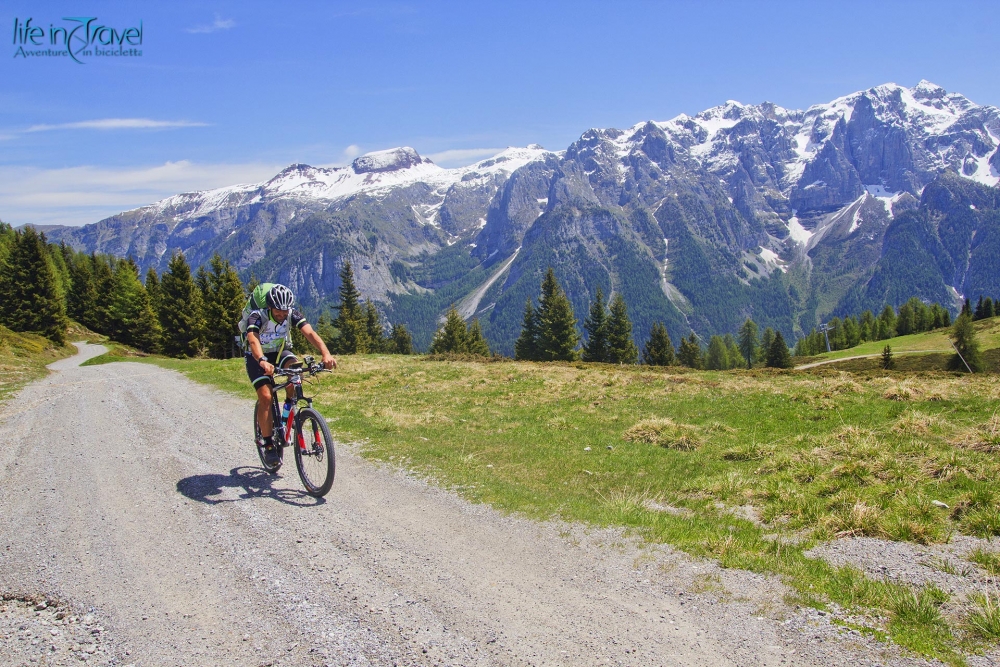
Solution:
(982, 438)
(664, 432)
(914, 422)
(856, 520)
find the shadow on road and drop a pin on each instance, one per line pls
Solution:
(254, 483)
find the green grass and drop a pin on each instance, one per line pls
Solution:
(818, 455)
(927, 343)
(988, 560)
(23, 357)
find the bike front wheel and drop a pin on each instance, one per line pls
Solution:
(314, 454)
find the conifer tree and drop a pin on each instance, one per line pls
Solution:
(887, 323)
(596, 324)
(224, 303)
(82, 297)
(526, 345)
(621, 348)
(326, 330)
(978, 312)
(966, 309)
(131, 317)
(350, 320)
(748, 341)
(733, 351)
(658, 351)
(777, 354)
(767, 338)
(402, 342)
(103, 285)
(557, 334)
(180, 313)
(31, 299)
(451, 336)
(887, 361)
(989, 308)
(689, 353)
(716, 359)
(964, 337)
(475, 342)
(373, 328)
(153, 289)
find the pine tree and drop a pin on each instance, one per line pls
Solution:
(82, 297)
(777, 354)
(988, 308)
(736, 359)
(658, 351)
(621, 348)
(326, 330)
(475, 342)
(526, 345)
(31, 299)
(767, 338)
(596, 324)
(557, 335)
(887, 323)
(716, 359)
(451, 336)
(978, 313)
(887, 361)
(689, 353)
(748, 341)
(180, 310)
(374, 330)
(103, 286)
(350, 320)
(402, 342)
(964, 336)
(153, 289)
(966, 309)
(223, 307)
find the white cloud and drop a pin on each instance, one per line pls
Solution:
(352, 151)
(461, 157)
(81, 195)
(117, 124)
(218, 24)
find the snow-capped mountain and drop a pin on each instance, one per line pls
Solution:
(699, 220)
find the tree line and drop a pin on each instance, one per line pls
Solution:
(179, 313)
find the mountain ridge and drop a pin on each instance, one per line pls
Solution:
(721, 213)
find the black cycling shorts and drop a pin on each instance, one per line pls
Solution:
(256, 373)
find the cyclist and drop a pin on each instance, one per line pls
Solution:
(269, 344)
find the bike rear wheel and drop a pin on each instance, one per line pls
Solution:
(259, 441)
(314, 454)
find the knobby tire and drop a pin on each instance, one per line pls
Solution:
(317, 465)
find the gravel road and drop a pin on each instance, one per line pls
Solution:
(138, 528)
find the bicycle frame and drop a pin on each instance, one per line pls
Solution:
(293, 377)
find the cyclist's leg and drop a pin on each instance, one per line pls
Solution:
(286, 359)
(262, 385)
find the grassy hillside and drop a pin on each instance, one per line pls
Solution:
(936, 341)
(23, 357)
(748, 468)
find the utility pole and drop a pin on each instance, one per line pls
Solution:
(825, 328)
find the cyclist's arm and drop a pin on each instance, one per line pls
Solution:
(258, 353)
(317, 342)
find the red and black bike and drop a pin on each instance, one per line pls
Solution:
(304, 430)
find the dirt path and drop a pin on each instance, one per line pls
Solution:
(864, 356)
(133, 494)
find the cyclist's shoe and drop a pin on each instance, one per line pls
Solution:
(272, 455)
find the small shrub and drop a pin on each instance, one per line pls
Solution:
(917, 608)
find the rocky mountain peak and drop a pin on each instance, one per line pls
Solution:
(393, 159)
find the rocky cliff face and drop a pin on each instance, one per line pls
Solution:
(783, 215)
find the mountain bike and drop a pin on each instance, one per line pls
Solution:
(305, 431)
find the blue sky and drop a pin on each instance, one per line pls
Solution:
(229, 92)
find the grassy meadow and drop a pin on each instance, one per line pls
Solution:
(23, 357)
(750, 468)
